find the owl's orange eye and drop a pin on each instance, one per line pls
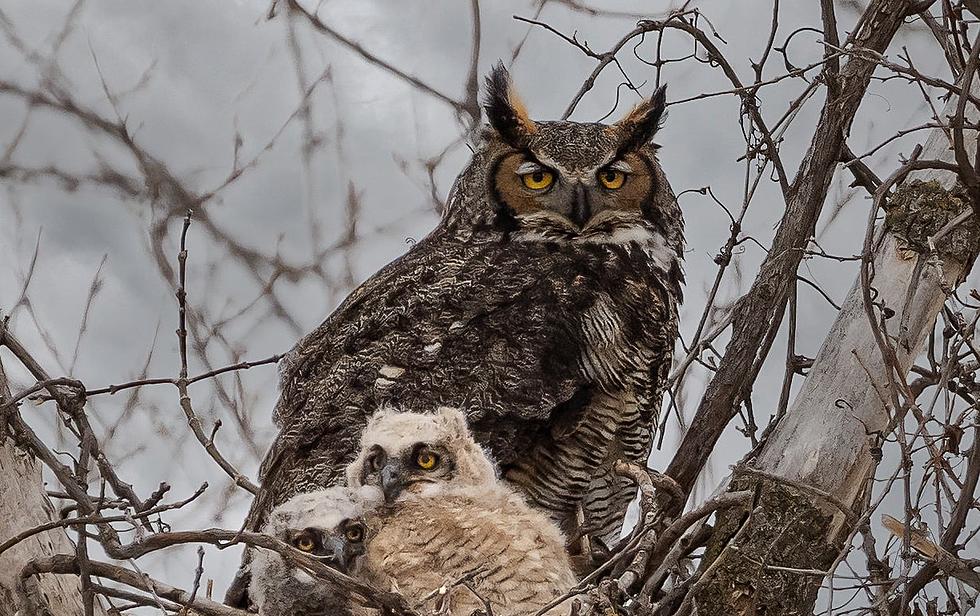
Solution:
(538, 180)
(612, 178)
(304, 543)
(427, 460)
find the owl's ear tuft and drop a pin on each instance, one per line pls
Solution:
(641, 124)
(505, 110)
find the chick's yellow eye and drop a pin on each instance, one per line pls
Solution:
(612, 179)
(354, 533)
(427, 460)
(304, 543)
(538, 180)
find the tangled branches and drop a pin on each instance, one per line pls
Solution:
(886, 426)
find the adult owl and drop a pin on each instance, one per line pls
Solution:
(449, 519)
(330, 525)
(544, 305)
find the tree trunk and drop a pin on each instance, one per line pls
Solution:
(819, 458)
(23, 505)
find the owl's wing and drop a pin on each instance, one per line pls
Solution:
(486, 328)
(656, 330)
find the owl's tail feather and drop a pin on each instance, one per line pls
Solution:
(605, 505)
(608, 496)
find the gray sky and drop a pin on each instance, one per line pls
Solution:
(190, 74)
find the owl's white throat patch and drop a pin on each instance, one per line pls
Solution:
(648, 240)
(549, 227)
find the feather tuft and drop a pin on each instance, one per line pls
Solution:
(505, 110)
(640, 125)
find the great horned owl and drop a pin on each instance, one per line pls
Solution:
(450, 520)
(544, 305)
(329, 524)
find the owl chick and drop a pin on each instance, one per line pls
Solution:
(450, 521)
(424, 454)
(328, 524)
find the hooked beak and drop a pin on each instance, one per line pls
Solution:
(391, 481)
(337, 554)
(581, 208)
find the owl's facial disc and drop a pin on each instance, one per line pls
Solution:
(571, 181)
(339, 547)
(419, 465)
(543, 196)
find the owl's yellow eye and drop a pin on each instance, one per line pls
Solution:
(354, 533)
(427, 460)
(304, 543)
(612, 178)
(538, 180)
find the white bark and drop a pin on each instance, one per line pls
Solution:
(824, 440)
(825, 437)
(23, 505)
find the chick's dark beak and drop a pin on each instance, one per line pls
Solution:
(338, 554)
(581, 208)
(391, 481)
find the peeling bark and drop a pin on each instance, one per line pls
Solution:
(785, 530)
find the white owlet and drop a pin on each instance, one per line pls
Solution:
(449, 519)
(328, 524)
(421, 453)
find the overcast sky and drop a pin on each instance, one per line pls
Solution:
(188, 75)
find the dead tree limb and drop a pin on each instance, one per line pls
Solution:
(829, 440)
(757, 315)
(941, 559)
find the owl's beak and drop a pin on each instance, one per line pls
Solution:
(391, 481)
(581, 208)
(338, 554)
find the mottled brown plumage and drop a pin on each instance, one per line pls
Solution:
(551, 329)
